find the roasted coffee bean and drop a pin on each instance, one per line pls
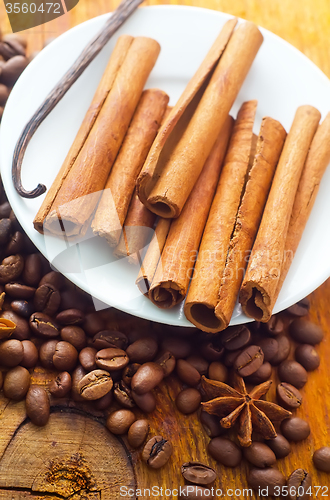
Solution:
(261, 375)
(273, 327)
(103, 403)
(269, 347)
(43, 325)
(61, 385)
(225, 451)
(120, 421)
(288, 396)
(235, 337)
(280, 446)
(211, 424)
(30, 354)
(270, 479)
(75, 335)
(193, 492)
(307, 356)
(70, 317)
(5, 210)
(129, 371)
(137, 433)
(146, 402)
(11, 352)
(5, 224)
(259, 455)
(295, 429)
(284, 347)
(142, 350)
(15, 37)
(53, 278)
(299, 482)
(95, 384)
(249, 361)
(187, 373)
(47, 299)
(231, 357)
(11, 48)
(32, 270)
(11, 268)
(188, 400)
(46, 353)
(22, 330)
(122, 394)
(305, 332)
(15, 244)
(93, 324)
(111, 359)
(157, 452)
(109, 338)
(22, 307)
(301, 308)
(198, 473)
(198, 362)
(211, 351)
(37, 405)
(65, 356)
(167, 361)
(17, 383)
(321, 459)
(218, 371)
(19, 291)
(293, 373)
(87, 358)
(77, 375)
(179, 347)
(148, 376)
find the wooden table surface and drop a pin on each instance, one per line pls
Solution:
(72, 456)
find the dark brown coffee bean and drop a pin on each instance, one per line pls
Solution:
(157, 452)
(143, 350)
(53, 278)
(22, 307)
(22, 330)
(193, 492)
(11, 268)
(32, 270)
(249, 361)
(280, 446)
(211, 351)
(95, 384)
(44, 326)
(218, 371)
(269, 347)
(273, 327)
(77, 374)
(47, 299)
(11, 48)
(15, 244)
(321, 459)
(111, 359)
(235, 337)
(5, 224)
(187, 373)
(179, 347)
(301, 308)
(270, 479)
(122, 394)
(12, 69)
(198, 362)
(307, 356)
(211, 424)
(87, 358)
(283, 352)
(167, 361)
(5, 210)
(298, 484)
(30, 354)
(37, 405)
(120, 421)
(225, 451)
(230, 357)
(19, 291)
(148, 376)
(17, 383)
(188, 401)
(295, 429)
(198, 473)
(260, 455)
(288, 396)
(65, 356)
(109, 338)
(103, 403)
(129, 371)
(261, 375)
(61, 385)
(11, 352)
(70, 317)
(46, 353)
(75, 335)
(93, 324)
(146, 402)
(293, 373)
(137, 433)
(305, 332)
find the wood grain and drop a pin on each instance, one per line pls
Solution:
(306, 25)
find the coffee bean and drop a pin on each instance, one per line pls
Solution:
(30, 354)
(122, 394)
(305, 332)
(198, 473)
(280, 446)
(180, 348)
(22, 330)
(43, 325)
(218, 371)
(293, 373)
(15, 244)
(53, 278)
(111, 359)
(188, 401)
(19, 291)
(15, 37)
(249, 361)
(46, 353)
(95, 384)
(37, 405)
(4, 94)
(11, 352)
(187, 373)
(129, 371)
(288, 396)
(211, 351)
(77, 375)
(198, 362)
(235, 337)
(137, 433)
(231, 357)
(299, 482)
(273, 327)
(17, 383)
(321, 459)
(120, 421)
(47, 299)
(269, 478)
(75, 335)
(261, 375)
(11, 268)
(5, 210)
(87, 358)
(5, 224)
(11, 48)
(142, 350)
(32, 270)
(70, 317)
(225, 451)
(65, 356)
(146, 402)
(193, 492)
(148, 376)
(157, 452)
(103, 403)
(22, 307)
(269, 347)
(108, 338)
(295, 429)
(301, 308)
(307, 356)
(259, 455)
(283, 352)
(167, 361)
(211, 424)
(61, 385)
(93, 324)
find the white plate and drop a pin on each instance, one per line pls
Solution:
(281, 79)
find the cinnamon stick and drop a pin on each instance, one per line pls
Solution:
(79, 193)
(204, 288)
(186, 139)
(171, 280)
(113, 206)
(258, 291)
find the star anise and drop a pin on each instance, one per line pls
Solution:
(232, 403)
